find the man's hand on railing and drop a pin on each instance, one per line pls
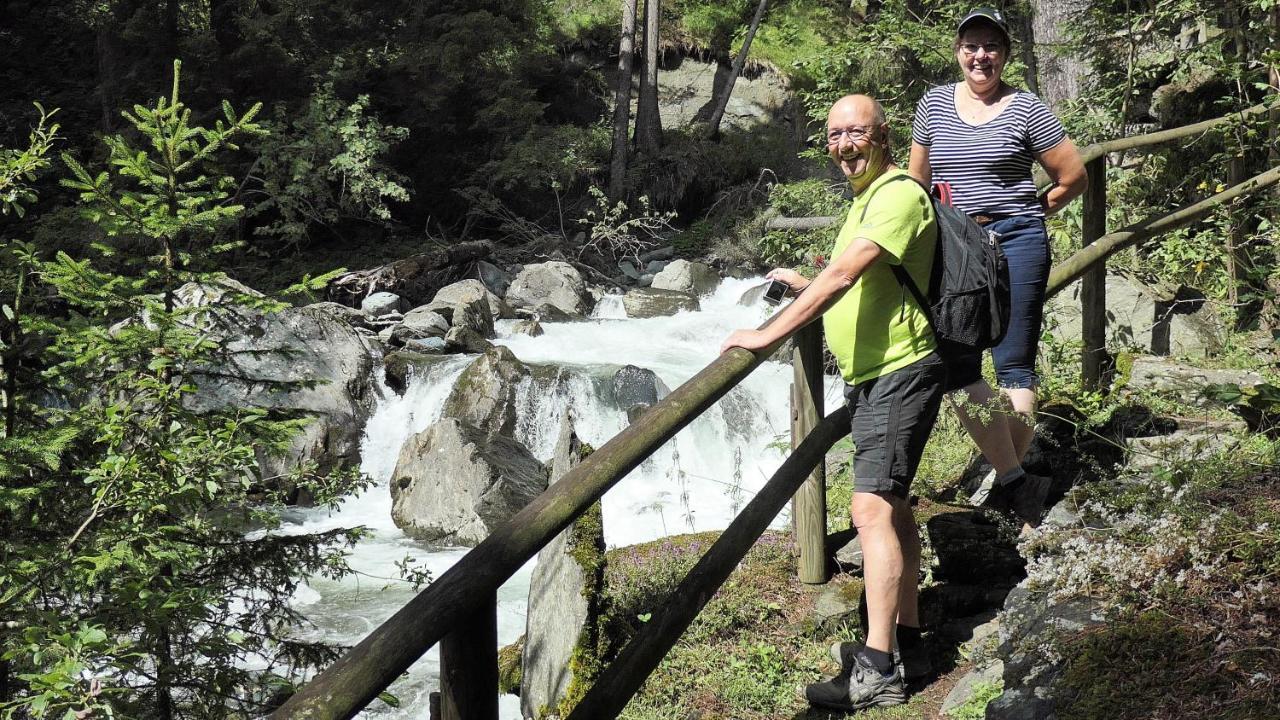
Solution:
(752, 340)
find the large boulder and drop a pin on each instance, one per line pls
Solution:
(651, 302)
(310, 361)
(485, 393)
(637, 389)
(453, 483)
(564, 595)
(419, 323)
(688, 277)
(381, 304)
(470, 292)
(554, 283)
(1165, 322)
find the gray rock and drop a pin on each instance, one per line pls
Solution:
(306, 360)
(1031, 623)
(453, 483)
(471, 292)
(381, 304)
(666, 252)
(493, 277)
(1186, 383)
(645, 280)
(629, 269)
(653, 302)
(689, 277)
(484, 395)
(850, 556)
(420, 323)
(965, 687)
(971, 548)
(427, 345)
(563, 595)
(655, 267)
(462, 339)
(753, 295)
(1143, 318)
(554, 283)
(837, 607)
(1182, 446)
(532, 328)
(475, 315)
(637, 389)
(402, 365)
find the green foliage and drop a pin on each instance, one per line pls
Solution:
(140, 577)
(18, 168)
(803, 249)
(326, 165)
(975, 708)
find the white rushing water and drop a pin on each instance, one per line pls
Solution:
(688, 485)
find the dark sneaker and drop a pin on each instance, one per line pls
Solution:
(1024, 501)
(864, 687)
(913, 664)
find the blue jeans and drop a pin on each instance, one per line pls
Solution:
(1026, 246)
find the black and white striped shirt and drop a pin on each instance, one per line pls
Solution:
(987, 165)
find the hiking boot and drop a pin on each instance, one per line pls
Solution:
(912, 664)
(1022, 499)
(862, 688)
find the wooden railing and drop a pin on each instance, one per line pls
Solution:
(458, 610)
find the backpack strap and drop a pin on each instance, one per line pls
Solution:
(899, 272)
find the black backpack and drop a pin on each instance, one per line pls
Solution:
(968, 301)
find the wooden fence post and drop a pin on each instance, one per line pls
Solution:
(809, 508)
(469, 666)
(1093, 285)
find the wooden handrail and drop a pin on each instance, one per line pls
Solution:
(1073, 267)
(356, 678)
(618, 682)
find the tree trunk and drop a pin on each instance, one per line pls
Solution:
(738, 61)
(1061, 73)
(1027, 48)
(648, 123)
(622, 103)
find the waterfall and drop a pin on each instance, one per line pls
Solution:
(689, 484)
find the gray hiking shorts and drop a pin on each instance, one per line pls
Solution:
(891, 418)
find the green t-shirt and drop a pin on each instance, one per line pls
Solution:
(876, 327)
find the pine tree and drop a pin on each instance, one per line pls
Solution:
(130, 582)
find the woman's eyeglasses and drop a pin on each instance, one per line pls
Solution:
(972, 48)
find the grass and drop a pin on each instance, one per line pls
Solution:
(751, 649)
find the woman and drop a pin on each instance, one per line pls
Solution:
(981, 136)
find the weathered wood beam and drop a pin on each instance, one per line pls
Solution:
(1097, 150)
(779, 222)
(356, 678)
(469, 665)
(1093, 286)
(624, 676)
(809, 508)
(1065, 272)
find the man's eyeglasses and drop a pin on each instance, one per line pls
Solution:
(991, 48)
(855, 133)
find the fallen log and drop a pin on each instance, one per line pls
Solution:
(415, 278)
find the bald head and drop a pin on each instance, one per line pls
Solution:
(859, 109)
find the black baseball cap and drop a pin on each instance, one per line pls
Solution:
(985, 14)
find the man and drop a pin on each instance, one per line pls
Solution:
(894, 382)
